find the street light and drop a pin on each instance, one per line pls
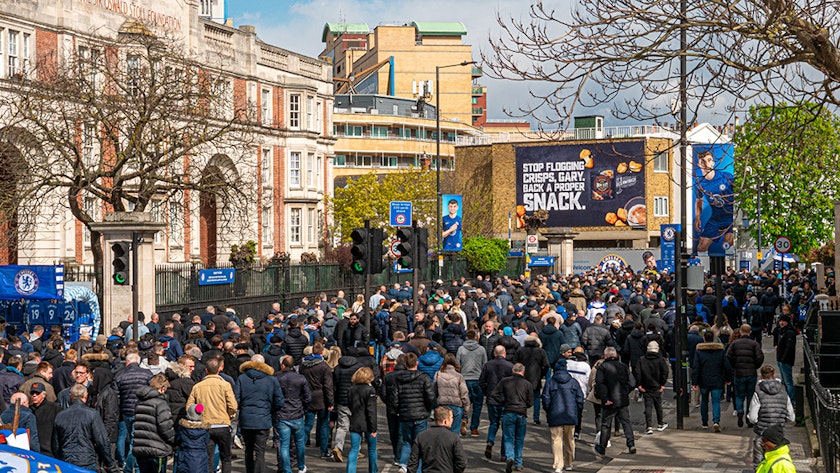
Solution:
(437, 153)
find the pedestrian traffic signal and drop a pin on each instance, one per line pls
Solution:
(377, 238)
(422, 237)
(359, 250)
(406, 247)
(120, 251)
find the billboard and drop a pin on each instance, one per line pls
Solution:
(584, 185)
(451, 231)
(714, 198)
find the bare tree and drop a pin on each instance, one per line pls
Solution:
(128, 124)
(623, 55)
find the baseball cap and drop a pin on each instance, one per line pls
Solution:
(37, 388)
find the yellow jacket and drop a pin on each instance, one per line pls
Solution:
(777, 461)
(217, 397)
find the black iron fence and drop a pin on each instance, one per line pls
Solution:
(825, 405)
(255, 289)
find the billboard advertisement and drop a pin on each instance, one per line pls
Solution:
(714, 198)
(451, 231)
(584, 185)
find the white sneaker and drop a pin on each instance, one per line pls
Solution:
(237, 442)
(662, 427)
(734, 413)
(303, 470)
(649, 431)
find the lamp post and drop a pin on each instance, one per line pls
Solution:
(437, 155)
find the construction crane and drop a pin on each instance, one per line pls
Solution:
(347, 85)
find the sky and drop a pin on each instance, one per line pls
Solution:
(297, 25)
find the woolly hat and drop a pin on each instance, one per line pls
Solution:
(775, 434)
(565, 347)
(653, 347)
(507, 331)
(784, 318)
(194, 412)
(560, 365)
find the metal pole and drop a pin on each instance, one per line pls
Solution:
(415, 273)
(366, 290)
(758, 208)
(680, 342)
(438, 223)
(135, 291)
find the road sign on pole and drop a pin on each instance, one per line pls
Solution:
(401, 214)
(782, 244)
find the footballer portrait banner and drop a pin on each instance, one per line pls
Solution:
(714, 199)
(451, 229)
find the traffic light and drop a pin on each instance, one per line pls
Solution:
(406, 247)
(359, 251)
(422, 237)
(377, 238)
(120, 251)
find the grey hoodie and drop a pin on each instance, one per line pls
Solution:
(472, 357)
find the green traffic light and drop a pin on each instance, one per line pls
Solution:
(358, 267)
(119, 278)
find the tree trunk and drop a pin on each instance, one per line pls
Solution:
(98, 268)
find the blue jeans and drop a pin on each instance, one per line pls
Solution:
(409, 431)
(457, 414)
(355, 444)
(513, 426)
(786, 372)
(704, 405)
(495, 415)
(125, 442)
(322, 430)
(477, 400)
(285, 430)
(744, 390)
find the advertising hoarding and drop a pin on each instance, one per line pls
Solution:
(713, 206)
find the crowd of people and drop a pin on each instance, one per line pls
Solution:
(187, 390)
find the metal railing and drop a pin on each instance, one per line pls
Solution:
(825, 408)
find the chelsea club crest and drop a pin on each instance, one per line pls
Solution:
(26, 282)
(668, 233)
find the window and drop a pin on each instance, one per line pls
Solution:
(89, 207)
(294, 169)
(266, 172)
(294, 111)
(310, 226)
(319, 112)
(222, 104)
(319, 227)
(176, 222)
(24, 53)
(90, 157)
(206, 8)
(379, 132)
(660, 206)
(14, 63)
(294, 226)
(350, 130)
(88, 64)
(157, 216)
(310, 170)
(319, 164)
(265, 106)
(310, 113)
(388, 161)
(132, 69)
(267, 226)
(340, 160)
(660, 161)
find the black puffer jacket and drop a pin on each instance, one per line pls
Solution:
(595, 339)
(102, 396)
(79, 436)
(612, 383)
(634, 347)
(494, 371)
(296, 341)
(342, 375)
(154, 429)
(415, 395)
(390, 387)
(399, 321)
(296, 395)
(180, 387)
(127, 381)
(745, 356)
(319, 376)
(710, 369)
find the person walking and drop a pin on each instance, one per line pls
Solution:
(710, 373)
(289, 419)
(452, 392)
(127, 381)
(776, 453)
(596, 338)
(259, 396)
(439, 449)
(415, 399)
(494, 371)
(577, 364)
(320, 378)
(79, 435)
(362, 398)
(45, 414)
(472, 357)
(746, 357)
(26, 419)
(784, 337)
(154, 428)
(770, 406)
(516, 394)
(651, 376)
(191, 439)
(216, 395)
(612, 388)
(348, 364)
(535, 360)
(562, 399)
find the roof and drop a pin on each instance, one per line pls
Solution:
(338, 28)
(440, 28)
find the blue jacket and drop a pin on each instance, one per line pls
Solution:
(258, 394)
(127, 381)
(296, 394)
(551, 339)
(173, 348)
(572, 332)
(27, 421)
(191, 439)
(453, 337)
(561, 399)
(429, 363)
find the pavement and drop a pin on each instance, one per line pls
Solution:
(692, 449)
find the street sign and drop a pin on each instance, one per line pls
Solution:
(401, 214)
(209, 277)
(394, 248)
(532, 243)
(541, 261)
(399, 269)
(782, 244)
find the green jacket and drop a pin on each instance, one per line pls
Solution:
(777, 461)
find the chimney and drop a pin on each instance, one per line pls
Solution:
(250, 29)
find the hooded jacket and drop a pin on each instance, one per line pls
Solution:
(451, 388)
(571, 333)
(535, 360)
(595, 339)
(472, 357)
(453, 337)
(711, 369)
(319, 376)
(562, 398)
(551, 338)
(342, 377)
(770, 405)
(191, 438)
(651, 371)
(429, 363)
(634, 347)
(154, 429)
(258, 394)
(102, 396)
